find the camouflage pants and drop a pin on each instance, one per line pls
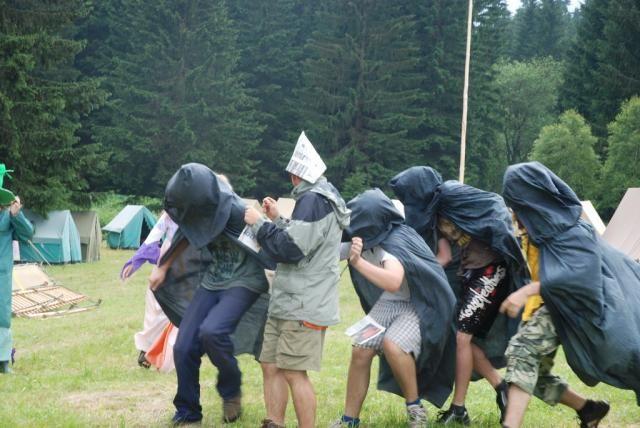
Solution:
(530, 358)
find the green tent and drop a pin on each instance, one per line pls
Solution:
(90, 234)
(56, 239)
(130, 227)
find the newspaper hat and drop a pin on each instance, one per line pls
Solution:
(305, 161)
(6, 195)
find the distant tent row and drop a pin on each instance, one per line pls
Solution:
(56, 239)
(130, 227)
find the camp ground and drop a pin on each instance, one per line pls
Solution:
(88, 225)
(56, 239)
(129, 227)
(623, 231)
(590, 214)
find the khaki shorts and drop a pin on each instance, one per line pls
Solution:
(291, 345)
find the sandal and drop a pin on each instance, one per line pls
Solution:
(142, 360)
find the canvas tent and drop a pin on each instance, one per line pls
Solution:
(590, 214)
(56, 239)
(90, 234)
(623, 231)
(130, 227)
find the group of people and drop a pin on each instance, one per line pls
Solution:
(463, 282)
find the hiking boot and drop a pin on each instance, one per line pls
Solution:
(231, 409)
(340, 423)
(502, 392)
(455, 415)
(592, 413)
(417, 416)
(180, 419)
(268, 423)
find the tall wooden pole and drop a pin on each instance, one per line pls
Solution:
(465, 95)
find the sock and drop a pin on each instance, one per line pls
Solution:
(458, 410)
(352, 422)
(413, 403)
(502, 385)
(586, 408)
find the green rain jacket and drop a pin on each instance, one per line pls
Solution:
(18, 228)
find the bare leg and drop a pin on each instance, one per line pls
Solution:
(276, 392)
(304, 397)
(518, 402)
(483, 366)
(464, 367)
(358, 380)
(403, 367)
(572, 399)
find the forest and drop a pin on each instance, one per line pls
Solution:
(114, 95)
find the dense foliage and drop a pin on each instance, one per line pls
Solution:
(115, 95)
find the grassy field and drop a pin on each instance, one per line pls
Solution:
(80, 370)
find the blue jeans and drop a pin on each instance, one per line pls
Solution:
(210, 319)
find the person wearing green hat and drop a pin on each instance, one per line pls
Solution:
(13, 225)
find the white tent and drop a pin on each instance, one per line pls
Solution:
(623, 231)
(590, 214)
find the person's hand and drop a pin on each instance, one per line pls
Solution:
(157, 277)
(356, 250)
(15, 207)
(126, 272)
(251, 216)
(514, 303)
(270, 208)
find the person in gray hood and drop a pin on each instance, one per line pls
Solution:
(304, 295)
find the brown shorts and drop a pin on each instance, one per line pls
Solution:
(291, 345)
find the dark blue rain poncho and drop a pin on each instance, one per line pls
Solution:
(592, 291)
(375, 219)
(204, 207)
(482, 215)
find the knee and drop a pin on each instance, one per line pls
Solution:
(183, 349)
(212, 340)
(361, 357)
(463, 339)
(269, 370)
(390, 348)
(294, 376)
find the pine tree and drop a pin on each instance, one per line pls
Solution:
(486, 160)
(42, 99)
(271, 37)
(176, 94)
(362, 92)
(604, 63)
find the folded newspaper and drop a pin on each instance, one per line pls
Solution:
(364, 330)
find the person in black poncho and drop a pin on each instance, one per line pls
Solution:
(452, 215)
(585, 296)
(403, 288)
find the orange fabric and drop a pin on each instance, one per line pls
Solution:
(156, 353)
(314, 326)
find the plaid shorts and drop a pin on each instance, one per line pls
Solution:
(402, 326)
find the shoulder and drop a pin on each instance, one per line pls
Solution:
(311, 207)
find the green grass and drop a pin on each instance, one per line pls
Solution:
(80, 370)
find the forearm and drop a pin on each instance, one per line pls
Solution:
(531, 289)
(22, 228)
(380, 277)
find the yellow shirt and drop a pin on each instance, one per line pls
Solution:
(531, 253)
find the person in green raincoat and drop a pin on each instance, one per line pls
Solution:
(13, 225)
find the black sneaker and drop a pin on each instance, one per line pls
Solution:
(502, 392)
(455, 415)
(592, 413)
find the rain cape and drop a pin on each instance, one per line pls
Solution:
(482, 215)
(204, 207)
(375, 219)
(592, 291)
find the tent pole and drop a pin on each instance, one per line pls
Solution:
(465, 95)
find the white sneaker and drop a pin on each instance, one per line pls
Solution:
(417, 416)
